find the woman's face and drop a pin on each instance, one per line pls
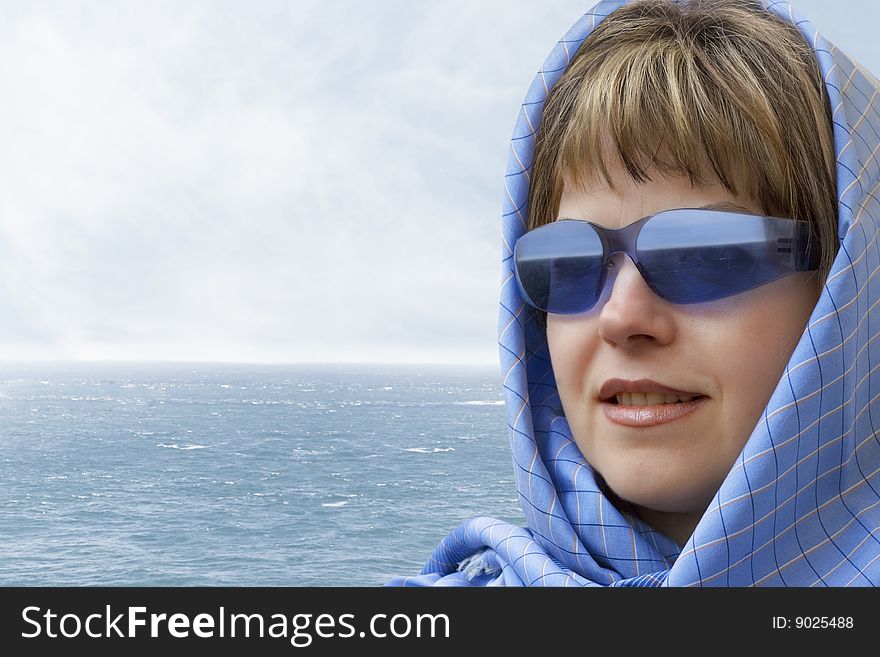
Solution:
(734, 351)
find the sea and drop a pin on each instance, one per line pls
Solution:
(182, 474)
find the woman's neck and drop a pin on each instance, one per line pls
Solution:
(676, 525)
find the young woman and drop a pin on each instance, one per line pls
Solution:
(688, 309)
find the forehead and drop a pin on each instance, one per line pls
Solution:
(621, 206)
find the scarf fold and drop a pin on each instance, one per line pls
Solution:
(801, 504)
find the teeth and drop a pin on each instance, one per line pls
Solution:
(650, 398)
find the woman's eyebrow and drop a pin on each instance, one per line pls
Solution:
(725, 205)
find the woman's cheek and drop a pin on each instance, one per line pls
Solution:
(571, 344)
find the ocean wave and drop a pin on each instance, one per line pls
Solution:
(428, 450)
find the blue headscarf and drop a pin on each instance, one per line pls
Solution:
(801, 504)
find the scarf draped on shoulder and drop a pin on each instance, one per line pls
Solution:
(801, 504)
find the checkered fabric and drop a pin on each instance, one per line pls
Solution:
(801, 504)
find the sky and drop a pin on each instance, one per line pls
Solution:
(274, 182)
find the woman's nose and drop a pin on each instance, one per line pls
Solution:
(628, 307)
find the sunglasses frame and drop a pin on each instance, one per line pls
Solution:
(792, 251)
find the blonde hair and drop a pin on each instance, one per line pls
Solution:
(677, 84)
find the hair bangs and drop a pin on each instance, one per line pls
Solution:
(653, 107)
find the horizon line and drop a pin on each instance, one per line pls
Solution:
(244, 362)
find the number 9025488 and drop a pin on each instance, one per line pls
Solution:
(822, 622)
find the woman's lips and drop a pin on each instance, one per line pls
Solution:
(649, 416)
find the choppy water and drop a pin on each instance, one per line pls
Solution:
(182, 474)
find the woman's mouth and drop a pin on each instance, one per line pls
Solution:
(650, 409)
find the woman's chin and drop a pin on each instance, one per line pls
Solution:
(666, 496)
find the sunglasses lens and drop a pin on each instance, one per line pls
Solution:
(684, 255)
(688, 256)
(559, 267)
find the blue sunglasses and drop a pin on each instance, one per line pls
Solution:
(685, 255)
